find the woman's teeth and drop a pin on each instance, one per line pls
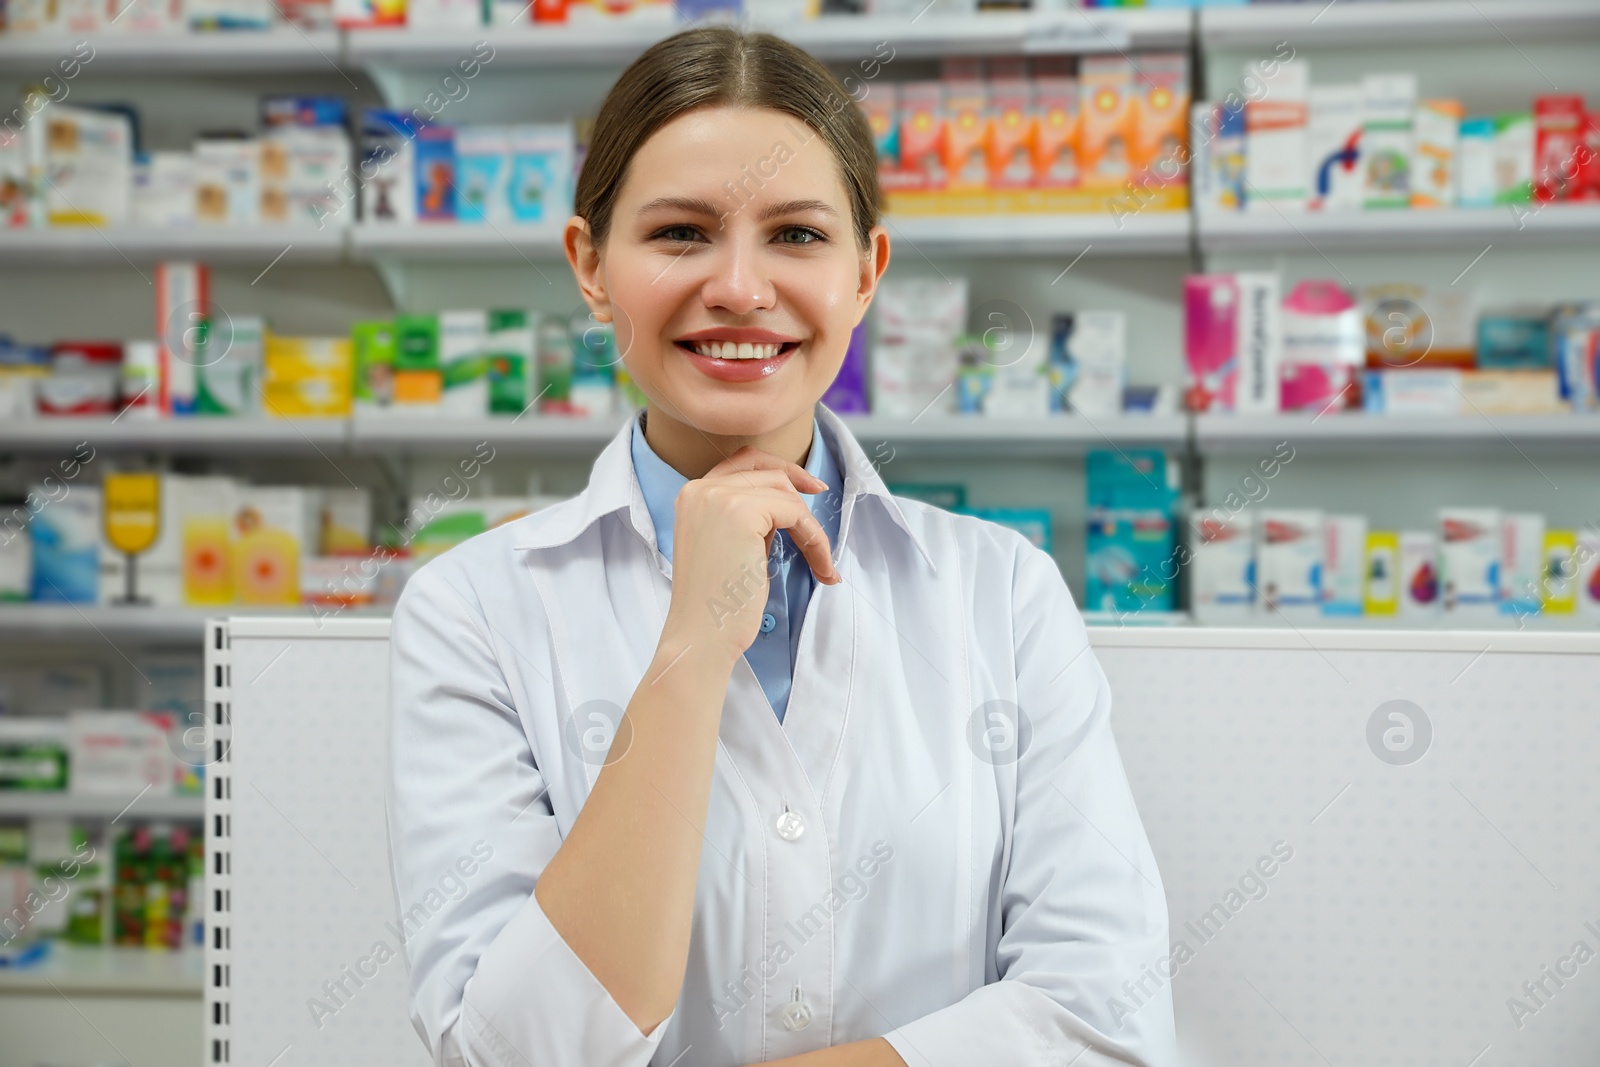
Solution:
(732, 350)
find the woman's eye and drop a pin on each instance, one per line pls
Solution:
(799, 235)
(678, 233)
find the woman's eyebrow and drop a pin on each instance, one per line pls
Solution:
(692, 204)
(795, 207)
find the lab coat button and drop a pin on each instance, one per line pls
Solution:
(796, 1016)
(790, 825)
(768, 623)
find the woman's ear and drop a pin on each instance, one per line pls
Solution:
(873, 263)
(586, 267)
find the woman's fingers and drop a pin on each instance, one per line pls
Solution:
(751, 458)
(785, 510)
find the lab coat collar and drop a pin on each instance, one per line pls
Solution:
(614, 486)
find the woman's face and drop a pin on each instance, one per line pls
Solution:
(731, 269)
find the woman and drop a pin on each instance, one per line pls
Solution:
(735, 758)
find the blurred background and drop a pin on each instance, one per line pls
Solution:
(1274, 314)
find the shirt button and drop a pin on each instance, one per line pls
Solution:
(768, 622)
(790, 825)
(796, 1016)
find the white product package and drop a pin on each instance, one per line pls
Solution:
(119, 753)
(89, 160)
(1469, 559)
(1222, 567)
(463, 336)
(1334, 138)
(163, 190)
(1098, 349)
(1290, 557)
(915, 357)
(1259, 343)
(1344, 564)
(1521, 563)
(1276, 145)
(1389, 103)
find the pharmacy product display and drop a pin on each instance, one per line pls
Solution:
(1380, 144)
(1048, 134)
(1131, 550)
(135, 884)
(107, 753)
(86, 166)
(1391, 349)
(1475, 565)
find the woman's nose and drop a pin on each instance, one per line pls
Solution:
(738, 282)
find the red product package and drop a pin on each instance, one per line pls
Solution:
(1589, 158)
(922, 135)
(1558, 120)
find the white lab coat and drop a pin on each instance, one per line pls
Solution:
(886, 861)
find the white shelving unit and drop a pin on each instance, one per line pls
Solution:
(830, 37)
(1402, 230)
(136, 626)
(1398, 22)
(1355, 435)
(135, 245)
(109, 970)
(284, 48)
(213, 436)
(18, 805)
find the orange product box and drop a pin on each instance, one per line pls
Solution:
(882, 108)
(1104, 151)
(1161, 119)
(1055, 132)
(1011, 134)
(966, 134)
(922, 130)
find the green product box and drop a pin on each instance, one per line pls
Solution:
(416, 342)
(373, 347)
(33, 754)
(555, 363)
(510, 354)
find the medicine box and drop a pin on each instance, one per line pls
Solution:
(273, 526)
(1344, 565)
(1277, 143)
(1388, 104)
(66, 543)
(1562, 565)
(1435, 150)
(1105, 152)
(1334, 142)
(1469, 558)
(1222, 565)
(120, 753)
(1419, 573)
(1382, 581)
(1521, 563)
(1291, 552)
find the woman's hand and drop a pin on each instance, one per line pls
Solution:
(723, 528)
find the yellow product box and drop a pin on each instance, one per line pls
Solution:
(187, 563)
(273, 527)
(1381, 587)
(1558, 589)
(1511, 392)
(307, 376)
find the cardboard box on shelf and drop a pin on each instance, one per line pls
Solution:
(1469, 559)
(119, 753)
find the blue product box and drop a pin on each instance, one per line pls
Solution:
(1131, 541)
(1032, 523)
(1513, 342)
(66, 544)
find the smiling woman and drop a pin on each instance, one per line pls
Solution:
(681, 703)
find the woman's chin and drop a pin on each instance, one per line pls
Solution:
(739, 415)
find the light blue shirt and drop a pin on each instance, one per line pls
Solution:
(791, 580)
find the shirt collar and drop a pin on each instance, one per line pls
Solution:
(660, 484)
(614, 486)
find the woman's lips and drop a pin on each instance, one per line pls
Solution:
(745, 362)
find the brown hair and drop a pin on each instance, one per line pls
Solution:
(720, 66)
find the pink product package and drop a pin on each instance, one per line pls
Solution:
(1324, 346)
(1211, 325)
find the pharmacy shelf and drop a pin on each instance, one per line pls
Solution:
(1068, 235)
(18, 805)
(533, 434)
(1457, 621)
(842, 37)
(1314, 232)
(136, 246)
(208, 436)
(135, 627)
(455, 241)
(284, 48)
(109, 970)
(931, 435)
(1399, 22)
(1357, 434)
